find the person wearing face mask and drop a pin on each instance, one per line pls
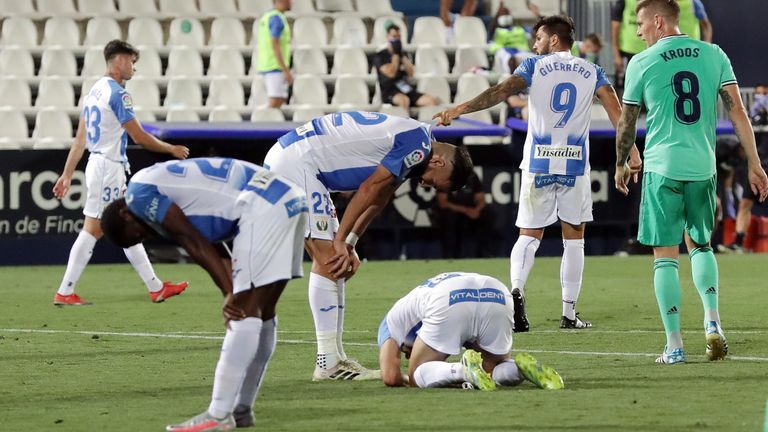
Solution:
(758, 112)
(509, 42)
(395, 68)
(555, 182)
(589, 48)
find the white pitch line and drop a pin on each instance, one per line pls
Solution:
(312, 342)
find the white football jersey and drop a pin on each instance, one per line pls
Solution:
(211, 192)
(429, 299)
(559, 112)
(345, 148)
(105, 109)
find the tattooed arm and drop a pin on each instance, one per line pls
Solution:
(743, 129)
(625, 140)
(486, 99)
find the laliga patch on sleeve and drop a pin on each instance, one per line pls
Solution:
(413, 158)
(127, 101)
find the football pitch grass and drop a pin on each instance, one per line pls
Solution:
(125, 364)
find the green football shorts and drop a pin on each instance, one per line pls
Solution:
(668, 206)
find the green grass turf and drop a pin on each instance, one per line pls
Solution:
(95, 380)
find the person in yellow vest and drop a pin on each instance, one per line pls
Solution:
(589, 48)
(274, 53)
(625, 42)
(509, 42)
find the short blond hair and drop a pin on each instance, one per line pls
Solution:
(667, 8)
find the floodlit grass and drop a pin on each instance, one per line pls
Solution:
(126, 364)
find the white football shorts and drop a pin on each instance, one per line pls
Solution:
(448, 323)
(270, 244)
(322, 222)
(104, 182)
(546, 197)
(275, 84)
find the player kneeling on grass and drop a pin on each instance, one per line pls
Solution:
(443, 314)
(197, 203)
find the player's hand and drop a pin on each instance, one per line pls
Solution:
(445, 117)
(621, 178)
(288, 76)
(341, 262)
(179, 152)
(230, 311)
(61, 187)
(635, 163)
(354, 265)
(758, 181)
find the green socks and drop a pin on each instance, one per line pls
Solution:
(704, 270)
(666, 283)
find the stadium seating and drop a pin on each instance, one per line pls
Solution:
(144, 92)
(428, 30)
(436, 86)
(56, 7)
(144, 115)
(93, 62)
(258, 97)
(98, 8)
(309, 61)
(17, 7)
(181, 114)
(470, 31)
(55, 92)
(19, 31)
(227, 92)
(350, 90)
(468, 57)
(179, 7)
(226, 61)
(379, 38)
(149, 64)
(60, 31)
(137, 7)
(186, 31)
(426, 113)
(431, 60)
(301, 7)
(350, 61)
(309, 32)
(267, 115)
(254, 8)
(227, 31)
(184, 61)
(15, 131)
(16, 62)
(335, 5)
(15, 92)
(349, 31)
(53, 129)
(218, 7)
(598, 112)
(85, 88)
(469, 86)
(101, 30)
(183, 92)
(481, 116)
(309, 90)
(376, 8)
(306, 114)
(58, 62)
(224, 114)
(145, 32)
(394, 110)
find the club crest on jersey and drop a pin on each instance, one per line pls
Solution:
(127, 101)
(322, 224)
(413, 158)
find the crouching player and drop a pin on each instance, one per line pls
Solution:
(443, 314)
(199, 202)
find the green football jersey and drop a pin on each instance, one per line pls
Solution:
(678, 80)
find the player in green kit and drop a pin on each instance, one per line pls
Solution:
(678, 80)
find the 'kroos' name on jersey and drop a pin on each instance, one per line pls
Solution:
(566, 152)
(565, 67)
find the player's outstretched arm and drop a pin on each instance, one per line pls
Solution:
(625, 140)
(149, 142)
(370, 199)
(490, 97)
(389, 363)
(61, 187)
(743, 128)
(610, 102)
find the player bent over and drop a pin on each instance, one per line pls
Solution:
(105, 123)
(197, 203)
(449, 311)
(373, 154)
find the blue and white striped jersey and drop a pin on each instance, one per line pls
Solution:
(105, 109)
(559, 112)
(344, 148)
(212, 193)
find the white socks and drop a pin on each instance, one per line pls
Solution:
(255, 374)
(571, 270)
(324, 295)
(521, 260)
(442, 374)
(238, 351)
(79, 255)
(506, 373)
(439, 374)
(341, 284)
(137, 255)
